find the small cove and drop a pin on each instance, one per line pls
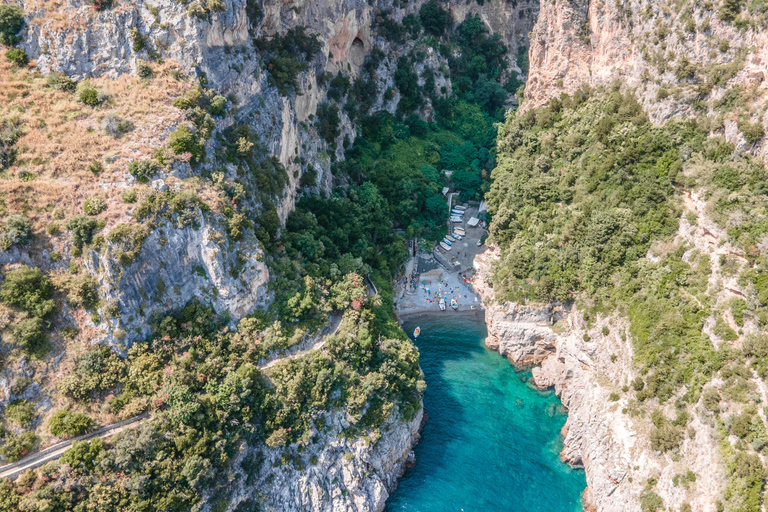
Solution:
(492, 442)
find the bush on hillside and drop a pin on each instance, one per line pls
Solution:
(28, 289)
(29, 334)
(17, 56)
(65, 423)
(11, 23)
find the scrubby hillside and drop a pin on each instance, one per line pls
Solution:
(199, 199)
(654, 233)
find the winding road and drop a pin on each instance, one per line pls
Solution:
(53, 452)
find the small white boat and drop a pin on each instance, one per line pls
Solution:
(447, 241)
(445, 246)
(454, 304)
(460, 208)
(459, 231)
(479, 243)
(457, 236)
(456, 219)
(416, 332)
(449, 237)
(442, 304)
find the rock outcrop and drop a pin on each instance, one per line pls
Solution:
(333, 473)
(587, 369)
(678, 61)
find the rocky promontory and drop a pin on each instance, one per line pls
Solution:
(604, 434)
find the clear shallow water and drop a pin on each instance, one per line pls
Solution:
(491, 443)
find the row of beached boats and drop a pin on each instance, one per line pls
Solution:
(454, 305)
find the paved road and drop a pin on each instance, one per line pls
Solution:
(335, 324)
(54, 452)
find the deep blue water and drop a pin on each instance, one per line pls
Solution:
(492, 443)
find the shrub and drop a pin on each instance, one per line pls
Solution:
(83, 291)
(100, 5)
(665, 437)
(730, 9)
(94, 205)
(741, 424)
(138, 39)
(182, 140)
(434, 18)
(143, 170)
(114, 127)
(82, 228)
(328, 121)
(710, 399)
(9, 133)
(61, 82)
(17, 446)
(83, 454)
(11, 23)
(65, 423)
(29, 334)
(129, 196)
(218, 105)
(143, 69)
(18, 230)
(28, 289)
(17, 56)
(97, 370)
(19, 384)
(20, 413)
(752, 132)
(129, 239)
(90, 96)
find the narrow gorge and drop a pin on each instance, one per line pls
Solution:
(222, 219)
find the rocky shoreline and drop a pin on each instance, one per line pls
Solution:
(587, 368)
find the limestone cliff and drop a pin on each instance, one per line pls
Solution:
(585, 367)
(681, 59)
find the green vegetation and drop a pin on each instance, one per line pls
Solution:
(11, 23)
(94, 205)
(20, 413)
(89, 95)
(29, 290)
(83, 228)
(18, 231)
(65, 423)
(17, 56)
(143, 170)
(287, 56)
(10, 132)
(583, 190)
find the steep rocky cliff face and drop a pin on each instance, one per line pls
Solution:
(681, 58)
(181, 231)
(602, 434)
(333, 472)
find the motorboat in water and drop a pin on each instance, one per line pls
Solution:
(416, 332)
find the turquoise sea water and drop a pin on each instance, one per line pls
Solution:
(492, 442)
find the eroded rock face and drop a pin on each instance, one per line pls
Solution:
(585, 367)
(339, 474)
(648, 47)
(175, 266)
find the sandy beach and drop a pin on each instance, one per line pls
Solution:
(456, 275)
